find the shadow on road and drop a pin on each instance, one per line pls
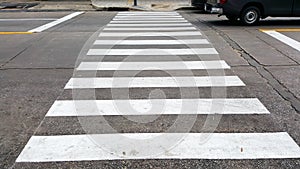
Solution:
(279, 22)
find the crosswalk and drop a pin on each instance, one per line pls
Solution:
(132, 35)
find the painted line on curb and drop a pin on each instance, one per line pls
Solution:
(282, 30)
(28, 19)
(171, 65)
(189, 146)
(150, 82)
(286, 40)
(14, 33)
(153, 52)
(63, 108)
(56, 22)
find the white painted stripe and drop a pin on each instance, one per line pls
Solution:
(56, 22)
(156, 107)
(138, 82)
(172, 65)
(28, 19)
(132, 12)
(148, 19)
(152, 42)
(183, 21)
(189, 146)
(147, 16)
(132, 34)
(145, 25)
(153, 52)
(287, 40)
(150, 29)
(147, 13)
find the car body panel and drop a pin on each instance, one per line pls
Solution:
(268, 7)
(296, 8)
(198, 3)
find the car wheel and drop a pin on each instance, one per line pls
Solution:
(250, 15)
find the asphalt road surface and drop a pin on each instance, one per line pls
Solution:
(148, 90)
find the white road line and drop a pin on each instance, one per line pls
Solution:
(134, 34)
(28, 19)
(145, 25)
(56, 22)
(189, 146)
(183, 21)
(287, 40)
(149, 19)
(149, 29)
(153, 52)
(147, 16)
(132, 12)
(152, 42)
(156, 107)
(150, 14)
(172, 65)
(139, 82)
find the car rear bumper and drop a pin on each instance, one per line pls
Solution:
(213, 9)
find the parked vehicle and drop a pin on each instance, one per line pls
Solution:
(249, 12)
(198, 3)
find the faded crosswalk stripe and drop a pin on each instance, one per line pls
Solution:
(145, 16)
(150, 29)
(219, 146)
(144, 107)
(138, 82)
(191, 51)
(148, 24)
(145, 34)
(153, 42)
(153, 21)
(171, 65)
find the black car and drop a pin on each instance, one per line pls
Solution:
(250, 12)
(198, 3)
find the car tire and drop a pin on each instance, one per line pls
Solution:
(250, 16)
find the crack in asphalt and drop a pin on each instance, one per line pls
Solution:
(271, 80)
(281, 52)
(36, 40)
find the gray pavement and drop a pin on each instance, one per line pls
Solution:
(265, 50)
(167, 5)
(34, 70)
(36, 67)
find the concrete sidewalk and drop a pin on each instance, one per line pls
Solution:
(46, 5)
(163, 5)
(92, 5)
(79, 5)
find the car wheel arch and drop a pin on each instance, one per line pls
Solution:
(257, 5)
